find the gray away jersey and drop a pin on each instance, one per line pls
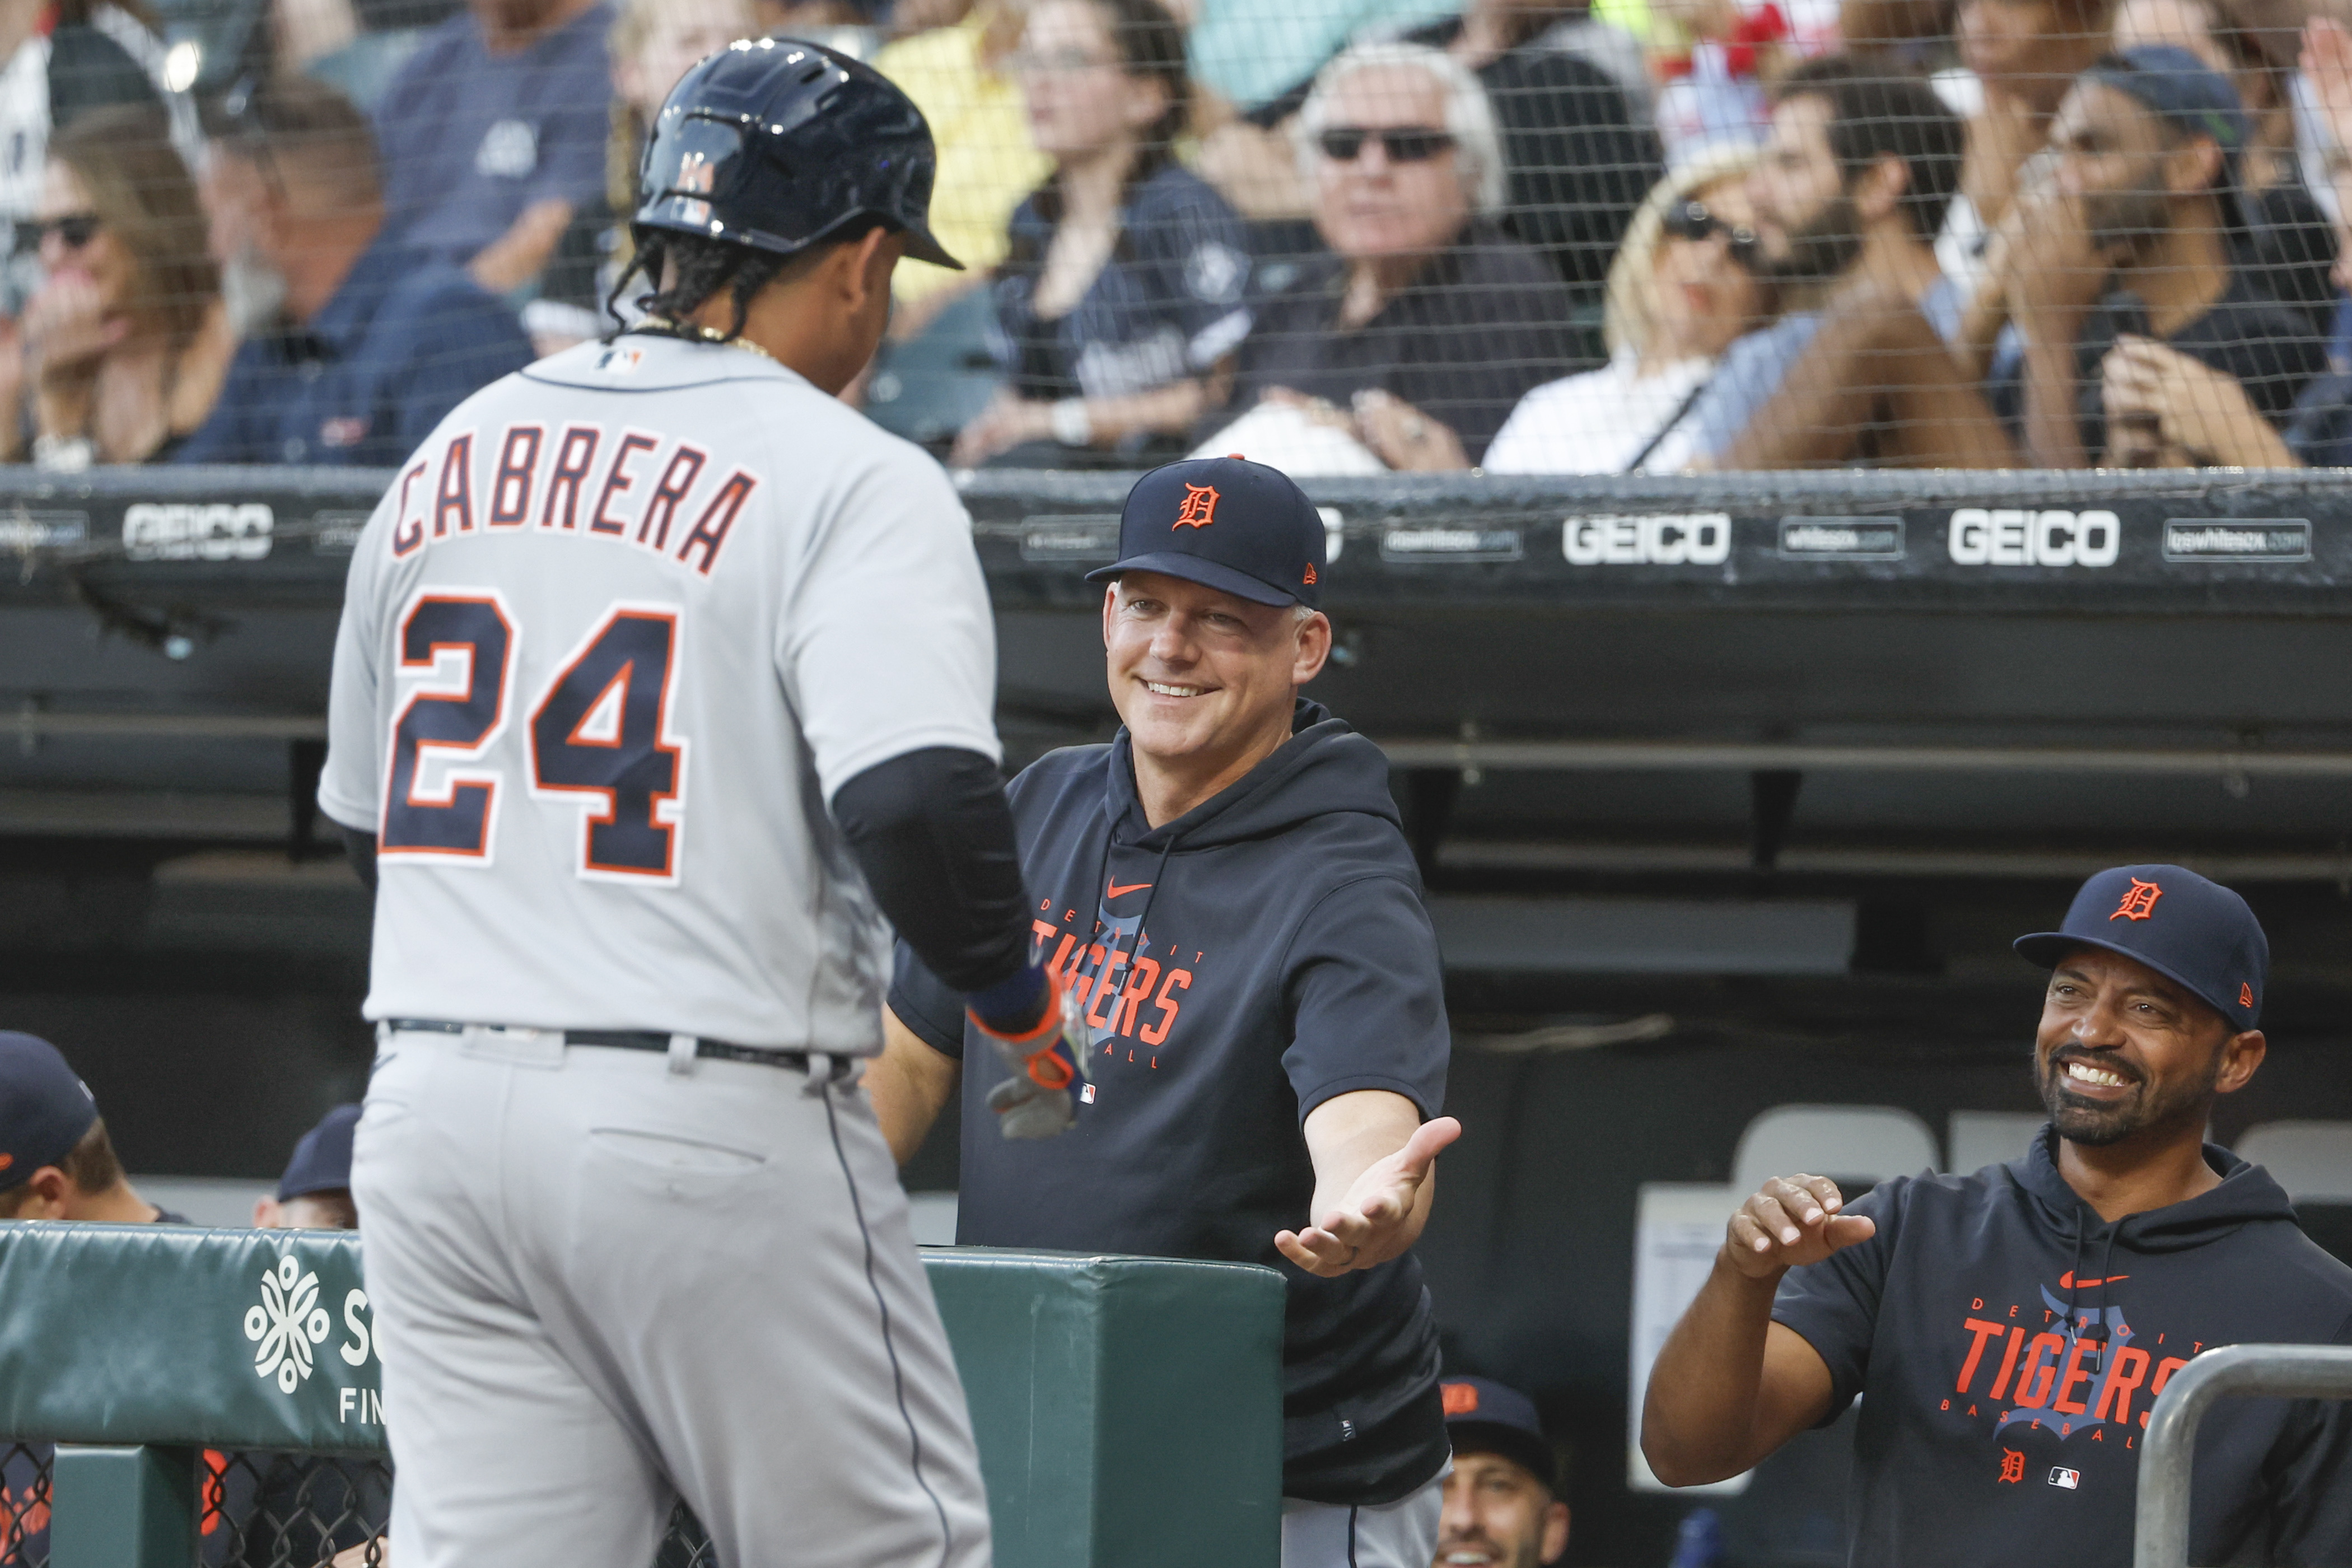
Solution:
(619, 630)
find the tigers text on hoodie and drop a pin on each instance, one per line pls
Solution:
(1239, 967)
(2006, 1344)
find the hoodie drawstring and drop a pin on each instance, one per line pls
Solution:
(2074, 1282)
(2107, 1284)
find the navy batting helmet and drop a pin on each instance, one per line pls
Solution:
(777, 144)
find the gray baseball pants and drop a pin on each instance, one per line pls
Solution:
(603, 1280)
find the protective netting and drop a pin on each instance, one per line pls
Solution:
(1343, 235)
(271, 1511)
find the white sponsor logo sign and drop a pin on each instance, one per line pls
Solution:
(180, 531)
(2225, 538)
(1438, 543)
(286, 1323)
(2001, 537)
(1840, 539)
(1671, 539)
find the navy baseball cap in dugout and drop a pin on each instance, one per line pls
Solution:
(1483, 1416)
(45, 1109)
(2196, 933)
(1226, 523)
(322, 1159)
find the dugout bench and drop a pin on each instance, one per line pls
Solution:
(1129, 1410)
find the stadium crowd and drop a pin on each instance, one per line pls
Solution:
(1347, 236)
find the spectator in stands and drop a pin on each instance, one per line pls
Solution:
(2008, 1330)
(1502, 1500)
(1422, 326)
(2181, 412)
(2288, 246)
(375, 343)
(960, 75)
(653, 44)
(1577, 161)
(1119, 300)
(315, 1191)
(125, 344)
(58, 60)
(1678, 296)
(2133, 239)
(1715, 63)
(2025, 54)
(494, 134)
(1853, 186)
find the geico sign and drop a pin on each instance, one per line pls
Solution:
(178, 532)
(1997, 538)
(1675, 538)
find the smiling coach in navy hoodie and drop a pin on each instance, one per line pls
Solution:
(2008, 1331)
(1227, 891)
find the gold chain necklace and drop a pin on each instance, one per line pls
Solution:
(690, 332)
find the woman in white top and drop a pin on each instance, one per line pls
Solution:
(1677, 296)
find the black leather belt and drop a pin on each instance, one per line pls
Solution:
(629, 1040)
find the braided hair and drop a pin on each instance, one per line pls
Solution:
(702, 268)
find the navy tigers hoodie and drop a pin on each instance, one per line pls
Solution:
(2006, 1344)
(1240, 965)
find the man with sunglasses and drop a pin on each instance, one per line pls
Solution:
(360, 345)
(1422, 326)
(1862, 162)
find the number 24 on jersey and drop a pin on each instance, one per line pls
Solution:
(597, 738)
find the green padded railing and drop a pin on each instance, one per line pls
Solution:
(1129, 1410)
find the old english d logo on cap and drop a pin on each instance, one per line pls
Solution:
(1200, 508)
(1459, 1398)
(2139, 901)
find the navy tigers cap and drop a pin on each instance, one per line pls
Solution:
(322, 1159)
(2195, 933)
(45, 1108)
(1483, 1416)
(1226, 523)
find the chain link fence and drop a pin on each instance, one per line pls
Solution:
(259, 1509)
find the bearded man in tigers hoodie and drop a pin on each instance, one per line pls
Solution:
(2008, 1331)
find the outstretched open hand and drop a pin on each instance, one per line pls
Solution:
(1372, 1223)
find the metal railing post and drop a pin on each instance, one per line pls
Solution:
(2160, 1533)
(132, 1507)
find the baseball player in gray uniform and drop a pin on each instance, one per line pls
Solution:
(663, 677)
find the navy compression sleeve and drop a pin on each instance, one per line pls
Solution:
(934, 837)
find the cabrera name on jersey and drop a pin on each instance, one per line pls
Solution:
(611, 641)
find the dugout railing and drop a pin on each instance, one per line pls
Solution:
(191, 1381)
(2160, 1534)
